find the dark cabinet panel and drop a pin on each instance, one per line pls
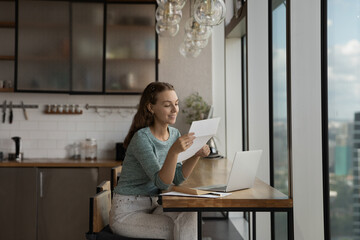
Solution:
(7, 45)
(63, 204)
(18, 203)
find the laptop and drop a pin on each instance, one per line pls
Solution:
(242, 173)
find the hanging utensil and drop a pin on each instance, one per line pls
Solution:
(11, 113)
(24, 110)
(4, 111)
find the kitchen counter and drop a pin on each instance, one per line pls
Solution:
(59, 162)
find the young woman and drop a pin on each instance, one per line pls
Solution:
(150, 165)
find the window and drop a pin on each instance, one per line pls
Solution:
(279, 125)
(343, 115)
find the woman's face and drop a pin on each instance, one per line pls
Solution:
(166, 108)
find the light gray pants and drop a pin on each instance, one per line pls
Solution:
(142, 217)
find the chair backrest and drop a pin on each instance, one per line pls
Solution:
(115, 172)
(103, 186)
(100, 205)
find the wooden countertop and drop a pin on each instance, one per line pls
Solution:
(215, 171)
(59, 162)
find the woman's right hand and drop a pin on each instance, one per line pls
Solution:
(183, 143)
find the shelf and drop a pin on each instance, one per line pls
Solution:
(132, 59)
(7, 58)
(63, 113)
(136, 91)
(127, 27)
(6, 89)
(7, 24)
(43, 58)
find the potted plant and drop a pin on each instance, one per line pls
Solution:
(195, 108)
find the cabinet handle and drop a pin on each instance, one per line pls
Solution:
(41, 185)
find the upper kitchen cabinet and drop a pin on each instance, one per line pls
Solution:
(87, 47)
(131, 48)
(7, 46)
(43, 46)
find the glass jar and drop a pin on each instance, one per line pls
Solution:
(90, 149)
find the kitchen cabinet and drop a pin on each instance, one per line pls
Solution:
(18, 203)
(63, 202)
(86, 47)
(7, 46)
(43, 46)
(130, 47)
(46, 203)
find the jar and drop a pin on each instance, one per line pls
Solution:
(77, 108)
(90, 149)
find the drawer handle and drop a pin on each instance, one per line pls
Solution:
(41, 185)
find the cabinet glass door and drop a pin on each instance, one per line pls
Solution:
(7, 44)
(44, 46)
(130, 47)
(87, 47)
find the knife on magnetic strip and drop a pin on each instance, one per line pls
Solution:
(24, 110)
(11, 113)
(4, 111)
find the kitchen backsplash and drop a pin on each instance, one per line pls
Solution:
(51, 135)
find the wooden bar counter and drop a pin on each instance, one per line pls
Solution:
(260, 198)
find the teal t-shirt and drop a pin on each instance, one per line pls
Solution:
(144, 158)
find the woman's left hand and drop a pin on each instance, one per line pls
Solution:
(203, 152)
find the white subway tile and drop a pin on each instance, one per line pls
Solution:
(58, 153)
(85, 126)
(7, 144)
(28, 125)
(29, 144)
(57, 135)
(47, 125)
(4, 133)
(36, 153)
(76, 136)
(66, 126)
(38, 135)
(47, 144)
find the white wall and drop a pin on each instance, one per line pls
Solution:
(233, 97)
(306, 120)
(188, 75)
(218, 82)
(49, 136)
(258, 85)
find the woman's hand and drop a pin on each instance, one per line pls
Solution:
(183, 143)
(203, 152)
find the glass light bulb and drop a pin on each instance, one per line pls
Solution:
(189, 51)
(178, 4)
(209, 12)
(168, 14)
(167, 30)
(190, 42)
(197, 31)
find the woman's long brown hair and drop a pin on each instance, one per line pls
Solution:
(143, 118)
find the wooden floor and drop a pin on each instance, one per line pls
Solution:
(220, 230)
